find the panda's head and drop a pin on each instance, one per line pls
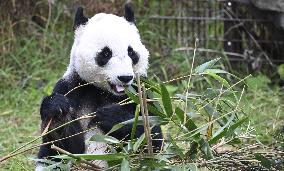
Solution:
(108, 51)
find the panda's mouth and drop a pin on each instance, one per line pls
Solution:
(119, 89)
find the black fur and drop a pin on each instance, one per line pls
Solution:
(104, 56)
(133, 55)
(80, 18)
(65, 108)
(129, 13)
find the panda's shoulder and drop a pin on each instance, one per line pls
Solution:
(67, 83)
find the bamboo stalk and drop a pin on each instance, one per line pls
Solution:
(149, 139)
(146, 127)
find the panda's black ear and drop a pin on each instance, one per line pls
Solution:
(129, 13)
(80, 19)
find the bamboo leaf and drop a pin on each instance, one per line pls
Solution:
(116, 127)
(154, 120)
(166, 100)
(190, 125)
(105, 139)
(206, 149)
(106, 157)
(180, 114)
(151, 108)
(218, 78)
(134, 126)
(263, 160)
(132, 96)
(138, 142)
(234, 126)
(201, 68)
(176, 148)
(125, 165)
(216, 71)
(221, 132)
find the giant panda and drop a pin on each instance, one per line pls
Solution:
(106, 55)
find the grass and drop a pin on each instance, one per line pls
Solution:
(29, 72)
(33, 64)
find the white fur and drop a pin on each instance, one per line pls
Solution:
(93, 147)
(116, 33)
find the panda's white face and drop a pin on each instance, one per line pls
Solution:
(108, 51)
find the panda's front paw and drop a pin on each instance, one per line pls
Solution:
(56, 105)
(108, 112)
(109, 115)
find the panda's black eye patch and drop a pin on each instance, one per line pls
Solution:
(104, 56)
(133, 55)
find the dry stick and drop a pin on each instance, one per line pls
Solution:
(210, 127)
(149, 139)
(189, 80)
(78, 87)
(82, 117)
(147, 134)
(38, 145)
(46, 128)
(93, 166)
(45, 132)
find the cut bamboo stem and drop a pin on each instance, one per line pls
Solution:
(146, 126)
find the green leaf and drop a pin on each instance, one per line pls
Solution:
(280, 71)
(234, 126)
(176, 148)
(125, 165)
(106, 157)
(216, 71)
(153, 120)
(138, 142)
(105, 139)
(209, 109)
(155, 104)
(192, 167)
(190, 125)
(151, 108)
(151, 85)
(134, 126)
(193, 150)
(263, 160)
(206, 149)
(180, 114)
(221, 132)
(201, 68)
(116, 127)
(166, 100)
(132, 96)
(155, 111)
(218, 78)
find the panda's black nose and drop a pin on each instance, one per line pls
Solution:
(125, 79)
